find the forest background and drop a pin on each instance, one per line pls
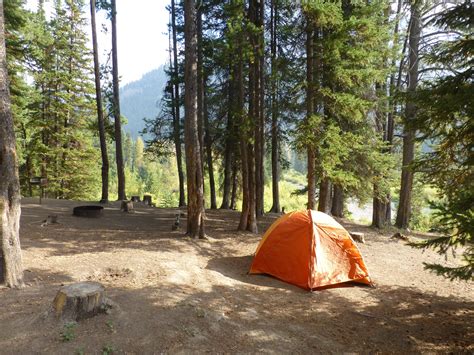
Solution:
(346, 96)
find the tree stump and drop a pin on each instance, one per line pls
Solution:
(147, 200)
(127, 206)
(80, 300)
(357, 236)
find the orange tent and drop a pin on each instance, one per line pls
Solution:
(311, 250)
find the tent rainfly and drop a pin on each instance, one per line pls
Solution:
(309, 249)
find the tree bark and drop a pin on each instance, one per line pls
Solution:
(325, 196)
(229, 146)
(117, 118)
(249, 127)
(404, 207)
(11, 265)
(260, 106)
(200, 86)
(235, 186)
(100, 112)
(248, 214)
(337, 209)
(311, 175)
(195, 225)
(274, 107)
(208, 144)
(176, 118)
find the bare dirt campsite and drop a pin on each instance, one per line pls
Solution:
(173, 294)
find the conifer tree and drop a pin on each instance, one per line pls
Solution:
(445, 117)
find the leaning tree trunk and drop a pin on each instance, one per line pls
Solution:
(100, 112)
(118, 124)
(195, 225)
(404, 207)
(11, 266)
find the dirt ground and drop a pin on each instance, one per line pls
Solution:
(174, 294)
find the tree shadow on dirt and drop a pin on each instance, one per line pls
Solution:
(246, 317)
(148, 229)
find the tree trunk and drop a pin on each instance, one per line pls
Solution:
(251, 149)
(195, 225)
(208, 144)
(404, 207)
(274, 107)
(248, 214)
(118, 123)
(80, 300)
(11, 266)
(200, 87)
(260, 106)
(337, 209)
(176, 105)
(230, 143)
(235, 186)
(311, 175)
(325, 196)
(100, 112)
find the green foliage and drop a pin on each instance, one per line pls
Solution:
(67, 333)
(446, 117)
(352, 45)
(108, 349)
(54, 114)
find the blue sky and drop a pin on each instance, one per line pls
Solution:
(141, 34)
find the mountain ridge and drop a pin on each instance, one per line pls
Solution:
(141, 99)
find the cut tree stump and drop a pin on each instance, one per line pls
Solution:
(357, 236)
(80, 300)
(126, 206)
(147, 200)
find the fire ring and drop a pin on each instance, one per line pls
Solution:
(88, 211)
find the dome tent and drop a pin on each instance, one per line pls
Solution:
(309, 249)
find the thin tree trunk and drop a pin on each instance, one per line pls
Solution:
(208, 144)
(177, 119)
(260, 106)
(200, 86)
(100, 112)
(311, 175)
(235, 186)
(230, 143)
(11, 265)
(118, 123)
(252, 149)
(337, 209)
(274, 107)
(195, 225)
(404, 207)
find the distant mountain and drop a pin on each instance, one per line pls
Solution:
(141, 99)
